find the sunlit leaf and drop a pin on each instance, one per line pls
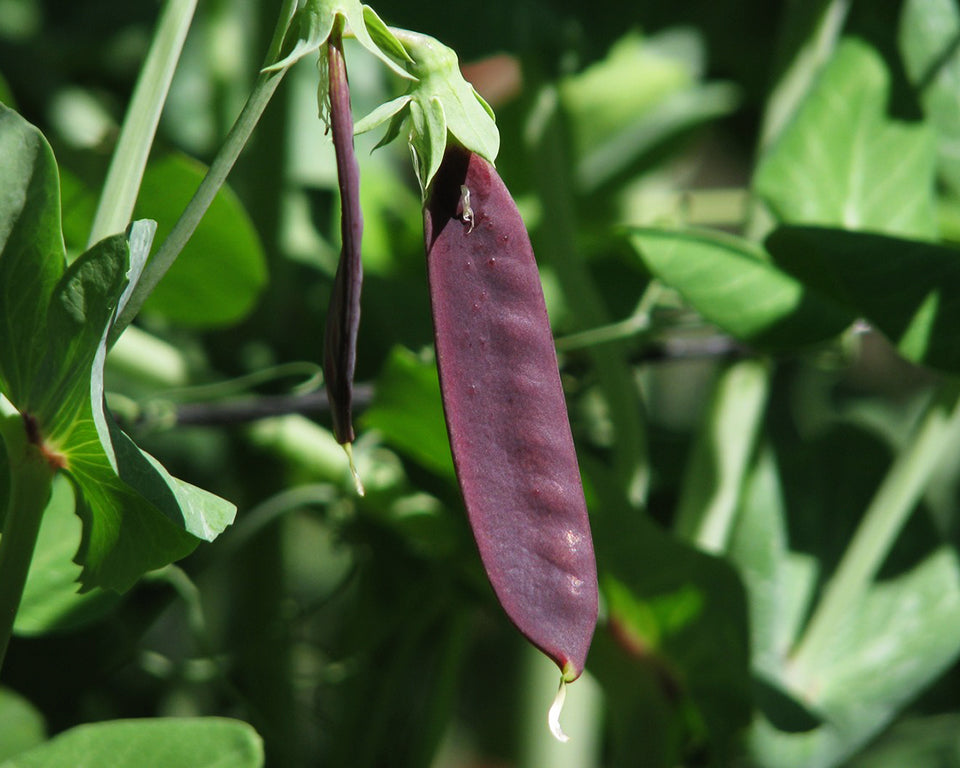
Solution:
(160, 743)
(732, 283)
(842, 161)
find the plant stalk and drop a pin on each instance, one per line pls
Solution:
(129, 160)
(223, 163)
(31, 479)
(889, 510)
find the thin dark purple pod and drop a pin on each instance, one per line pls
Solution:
(505, 410)
(343, 314)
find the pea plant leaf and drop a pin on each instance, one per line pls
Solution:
(202, 742)
(908, 627)
(732, 283)
(408, 412)
(927, 39)
(31, 248)
(222, 270)
(136, 517)
(312, 23)
(676, 624)
(439, 103)
(908, 289)
(843, 162)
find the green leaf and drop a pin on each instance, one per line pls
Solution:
(51, 602)
(21, 726)
(675, 648)
(731, 283)
(222, 270)
(32, 256)
(408, 412)
(909, 290)
(841, 161)
(908, 627)
(160, 743)
(644, 91)
(311, 26)
(438, 101)
(919, 741)
(81, 307)
(136, 516)
(927, 39)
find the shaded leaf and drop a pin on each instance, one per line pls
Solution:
(908, 289)
(21, 725)
(407, 411)
(50, 601)
(222, 270)
(678, 624)
(32, 257)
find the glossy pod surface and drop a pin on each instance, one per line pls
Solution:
(505, 411)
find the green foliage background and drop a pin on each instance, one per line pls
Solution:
(746, 217)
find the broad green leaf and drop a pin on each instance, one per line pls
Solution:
(644, 91)
(927, 39)
(31, 249)
(676, 618)
(910, 290)
(52, 349)
(843, 162)
(438, 101)
(136, 516)
(407, 411)
(159, 743)
(21, 726)
(908, 628)
(731, 283)
(222, 270)
(82, 305)
(312, 23)
(50, 601)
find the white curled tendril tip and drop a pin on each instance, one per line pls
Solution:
(553, 716)
(353, 469)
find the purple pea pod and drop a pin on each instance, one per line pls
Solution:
(343, 313)
(505, 411)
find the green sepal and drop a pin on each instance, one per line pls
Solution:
(311, 26)
(438, 102)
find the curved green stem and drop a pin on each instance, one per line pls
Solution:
(31, 478)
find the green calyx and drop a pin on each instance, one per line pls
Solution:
(438, 101)
(312, 24)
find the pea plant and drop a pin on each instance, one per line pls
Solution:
(325, 467)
